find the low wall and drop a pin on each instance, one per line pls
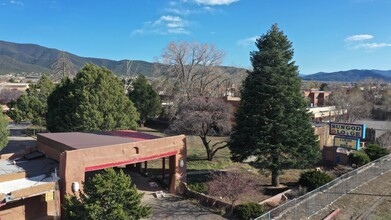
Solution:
(218, 204)
(206, 200)
(280, 197)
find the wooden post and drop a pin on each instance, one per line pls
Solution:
(163, 168)
(145, 167)
(138, 167)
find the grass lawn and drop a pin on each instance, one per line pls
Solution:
(196, 153)
(196, 161)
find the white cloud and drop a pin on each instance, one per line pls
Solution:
(372, 45)
(173, 21)
(187, 7)
(170, 18)
(359, 37)
(173, 3)
(181, 11)
(166, 24)
(16, 2)
(215, 2)
(247, 41)
(357, 42)
(177, 31)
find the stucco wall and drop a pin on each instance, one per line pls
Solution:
(30, 208)
(74, 164)
(325, 139)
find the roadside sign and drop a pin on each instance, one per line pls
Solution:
(348, 130)
(347, 142)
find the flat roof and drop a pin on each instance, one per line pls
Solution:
(32, 168)
(7, 167)
(26, 174)
(18, 184)
(80, 140)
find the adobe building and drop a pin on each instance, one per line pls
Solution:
(325, 113)
(71, 156)
(317, 98)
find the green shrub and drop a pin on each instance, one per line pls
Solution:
(249, 210)
(314, 179)
(198, 187)
(359, 158)
(374, 151)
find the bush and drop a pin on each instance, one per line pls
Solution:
(249, 210)
(314, 179)
(296, 192)
(359, 158)
(198, 187)
(374, 151)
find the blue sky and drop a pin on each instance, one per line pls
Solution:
(327, 35)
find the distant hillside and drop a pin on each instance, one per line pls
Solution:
(28, 58)
(18, 58)
(350, 75)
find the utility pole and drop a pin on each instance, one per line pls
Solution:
(63, 64)
(129, 75)
(62, 67)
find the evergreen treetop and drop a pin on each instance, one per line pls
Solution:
(93, 101)
(146, 100)
(108, 195)
(3, 132)
(32, 105)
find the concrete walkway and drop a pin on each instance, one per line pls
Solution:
(170, 206)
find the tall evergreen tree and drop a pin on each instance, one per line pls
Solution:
(146, 100)
(33, 105)
(93, 101)
(3, 132)
(272, 122)
(109, 195)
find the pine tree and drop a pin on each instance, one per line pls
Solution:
(146, 100)
(93, 101)
(272, 122)
(108, 195)
(3, 132)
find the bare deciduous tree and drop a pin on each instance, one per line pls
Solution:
(204, 117)
(384, 140)
(8, 95)
(350, 105)
(231, 185)
(193, 66)
(372, 89)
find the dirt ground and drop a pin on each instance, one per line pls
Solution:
(370, 201)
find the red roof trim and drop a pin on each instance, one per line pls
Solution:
(137, 160)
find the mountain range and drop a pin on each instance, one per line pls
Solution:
(350, 75)
(29, 58)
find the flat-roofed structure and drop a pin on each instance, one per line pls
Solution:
(34, 182)
(78, 153)
(28, 188)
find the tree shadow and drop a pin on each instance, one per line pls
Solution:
(15, 146)
(196, 158)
